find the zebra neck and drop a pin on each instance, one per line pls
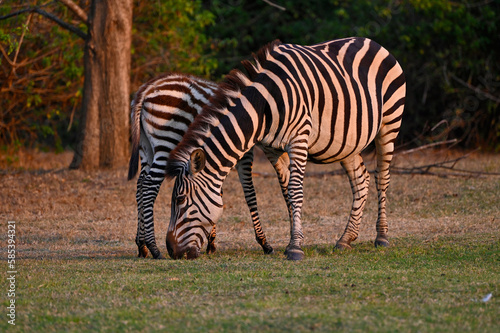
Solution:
(237, 132)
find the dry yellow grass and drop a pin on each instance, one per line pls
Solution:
(67, 213)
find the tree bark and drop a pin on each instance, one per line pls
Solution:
(104, 123)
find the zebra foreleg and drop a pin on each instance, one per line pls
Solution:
(359, 179)
(211, 241)
(281, 164)
(150, 192)
(244, 168)
(298, 158)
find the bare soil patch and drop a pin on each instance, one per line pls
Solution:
(63, 213)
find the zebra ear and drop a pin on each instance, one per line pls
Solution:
(198, 160)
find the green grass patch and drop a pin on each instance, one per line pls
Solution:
(413, 286)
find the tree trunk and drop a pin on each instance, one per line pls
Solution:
(104, 123)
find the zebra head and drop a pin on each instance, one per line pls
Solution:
(196, 206)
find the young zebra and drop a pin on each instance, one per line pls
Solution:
(161, 112)
(324, 103)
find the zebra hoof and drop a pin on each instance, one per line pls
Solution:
(211, 248)
(267, 249)
(156, 253)
(342, 246)
(143, 251)
(295, 254)
(383, 242)
(158, 256)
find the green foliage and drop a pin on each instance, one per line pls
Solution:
(6, 39)
(449, 62)
(170, 36)
(39, 92)
(6, 33)
(448, 49)
(40, 101)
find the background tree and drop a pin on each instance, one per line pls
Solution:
(104, 124)
(42, 77)
(448, 50)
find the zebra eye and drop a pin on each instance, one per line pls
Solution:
(180, 199)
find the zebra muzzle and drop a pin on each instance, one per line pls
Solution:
(176, 252)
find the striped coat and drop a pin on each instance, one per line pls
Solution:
(323, 103)
(161, 112)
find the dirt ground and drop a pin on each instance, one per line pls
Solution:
(71, 213)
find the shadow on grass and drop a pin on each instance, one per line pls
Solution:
(311, 251)
(36, 254)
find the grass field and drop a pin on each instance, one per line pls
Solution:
(77, 270)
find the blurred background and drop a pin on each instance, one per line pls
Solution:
(449, 50)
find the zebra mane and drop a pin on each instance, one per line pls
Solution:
(229, 90)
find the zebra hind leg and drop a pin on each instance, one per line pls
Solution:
(359, 179)
(281, 166)
(244, 168)
(384, 143)
(139, 239)
(150, 192)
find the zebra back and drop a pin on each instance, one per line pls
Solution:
(166, 106)
(324, 102)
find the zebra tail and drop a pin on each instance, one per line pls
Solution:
(135, 123)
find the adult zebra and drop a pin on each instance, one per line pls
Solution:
(161, 112)
(324, 103)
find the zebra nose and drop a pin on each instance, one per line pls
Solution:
(193, 252)
(176, 252)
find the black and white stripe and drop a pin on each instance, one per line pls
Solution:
(161, 112)
(324, 103)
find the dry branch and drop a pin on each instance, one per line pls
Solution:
(51, 17)
(274, 5)
(426, 169)
(76, 10)
(477, 90)
(430, 145)
(449, 165)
